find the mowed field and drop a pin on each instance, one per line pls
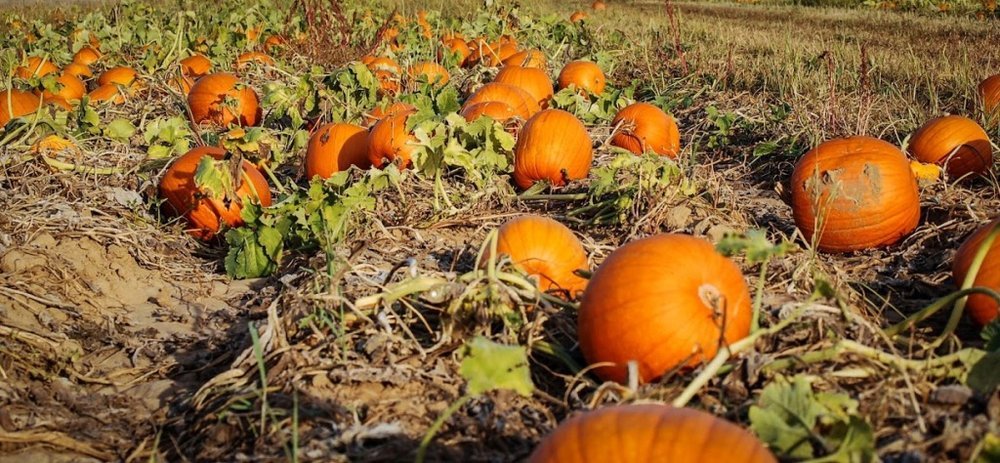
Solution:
(485, 259)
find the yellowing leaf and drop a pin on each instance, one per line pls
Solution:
(489, 366)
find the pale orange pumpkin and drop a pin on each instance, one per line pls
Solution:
(854, 193)
(531, 80)
(665, 301)
(642, 127)
(222, 100)
(389, 141)
(956, 143)
(643, 433)
(336, 147)
(554, 146)
(15, 103)
(205, 215)
(545, 250)
(585, 75)
(981, 308)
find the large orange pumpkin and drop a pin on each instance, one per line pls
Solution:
(36, 66)
(222, 100)
(15, 103)
(195, 66)
(854, 193)
(336, 147)
(649, 432)
(522, 102)
(956, 143)
(121, 75)
(643, 127)
(554, 146)
(585, 75)
(86, 56)
(982, 308)
(546, 250)
(660, 301)
(72, 90)
(206, 215)
(389, 141)
(532, 80)
(989, 92)
(429, 72)
(527, 59)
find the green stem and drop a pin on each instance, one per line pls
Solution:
(970, 279)
(926, 312)
(758, 299)
(422, 450)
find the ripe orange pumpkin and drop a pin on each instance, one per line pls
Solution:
(522, 102)
(860, 191)
(382, 63)
(496, 110)
(532, 80)
(457, 45)
(577, 16)
(208, 101)
(641, 433)
(661, 301)
(336, 147)
(432, 73)
(72, 90)
(36, 67)
(554, 146)
(206, 215)
(989, 92)
(527, 59)
(195, 66)
(491, 54)
(86, 56)
(598, 5)
(644, 127)
(546, 250)
(585, 75)
(250, 57)
(956, 143)
(15, 103)
(381, 112)
(388, 82)
(121, 75)
(78, 70)
(107, 93)
(982, 308)
(389, 141)
(274, 41)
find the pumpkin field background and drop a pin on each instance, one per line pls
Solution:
(375, 315)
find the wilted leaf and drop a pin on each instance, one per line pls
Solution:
(489, 366)
(119, 130)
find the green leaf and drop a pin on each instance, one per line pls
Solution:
(213, 179)
(991, 334)
(756, 245)
(984, 376)
(119, 130)
(489, 366)
(253, 253)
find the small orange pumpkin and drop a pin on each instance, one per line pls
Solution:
(253, 57)
(207, 215)
(36, 67)
(854, 193)
(527, 59)
(389, 141)
(15, 103)
(336, 147)
(87, 56)
(982, 308)
(553, 145)
(989, 92)
(121, 75)
(665, 301)
(532, 80)
(78, 70)
(516, 97)
(545, 250)
(195, 66)
(585, 75)
(431, 73)
(643, 127)
(107, 93)
(72, 90)
(598, 5)
(642, 433)
(956, 143)
(211, 96)
(577, 16)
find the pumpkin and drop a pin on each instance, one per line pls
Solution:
(527, 59)
(195, 66)
(208, 101)
(86, 56)
(956, 143)
(336, 147)
(982, 308)
(989, 92)
(531, 80)
(245, 59)
(182, 84)
(854, 193)
(36, 67)
(491, 54)
(15, 103)
(925, 173)
(274, 41)
(381, 112)
(389, 141)
(554, 146)
(107, 93)
(517, 98)
(585, 75)
(577, 16)
(78, 70)
(121, 75)
(388, 82)
(598, 5)
(642, 433)
(642, 127)
(496, 110)
(431, 73)
(206, 215)
(545, 250)
(457, 46)
(72, 89)
(382, 63)
(660, 301)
